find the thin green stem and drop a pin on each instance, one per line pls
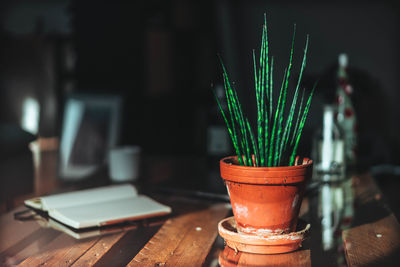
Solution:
(277, 111)
(232, 116)
(253, 142)
(270, 88)
(279, 137)
(295, 130)
(303, 120)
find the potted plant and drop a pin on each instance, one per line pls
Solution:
(266, 179)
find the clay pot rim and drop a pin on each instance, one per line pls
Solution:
(230, 159)
(265, 175)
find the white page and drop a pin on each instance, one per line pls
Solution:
(77, 198)
(96, 214)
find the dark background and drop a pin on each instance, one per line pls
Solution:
(161, 57)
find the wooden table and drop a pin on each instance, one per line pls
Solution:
(184, 238)
(189, 237)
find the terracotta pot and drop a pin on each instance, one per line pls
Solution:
(265, 200)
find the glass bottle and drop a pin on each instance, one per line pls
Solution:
(346, 116)
(329, 148)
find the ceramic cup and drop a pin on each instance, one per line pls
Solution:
(124, 163)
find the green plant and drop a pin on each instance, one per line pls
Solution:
(278, 132)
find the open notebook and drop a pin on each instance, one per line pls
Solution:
(99, 206)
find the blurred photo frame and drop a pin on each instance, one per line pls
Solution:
(91, 126)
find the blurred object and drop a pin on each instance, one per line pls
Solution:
(45, 144)
(36, 63)
(21, 17)
(28, 83)
(388, 178)
(124, 163)
(329, 148)
(330, 214)
(232, 258)
(30, 115)
(346, 115)
(160, 61)
(91, 126)
(377, 141)
(336, 211)
(385, 169)
(218, 143)
(16, 165)
(194, 194)
(45, 159)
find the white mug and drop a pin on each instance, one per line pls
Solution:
(124, 163)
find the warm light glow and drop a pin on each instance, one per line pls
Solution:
(30, 115)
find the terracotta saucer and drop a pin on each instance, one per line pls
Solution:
(266, 244)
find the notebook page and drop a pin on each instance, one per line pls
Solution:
(88, 196)
(95, 214)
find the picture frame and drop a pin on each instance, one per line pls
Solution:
(90, 127)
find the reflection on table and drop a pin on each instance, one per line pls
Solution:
(229, 258)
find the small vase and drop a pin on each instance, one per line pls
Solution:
(265, 200)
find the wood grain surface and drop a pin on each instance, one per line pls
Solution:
(184, 240)
(377, 241)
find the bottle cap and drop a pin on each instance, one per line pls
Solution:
(343, 60)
